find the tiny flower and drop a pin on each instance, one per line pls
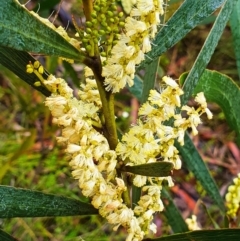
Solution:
(73, 148)
(134, 26)
(139, 181)
(200, 98)
(169, 81)
(145, 6)
(192, 223)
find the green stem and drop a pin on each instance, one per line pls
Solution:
(87, 8)
(109, 130)
(107, 98)
(125, 195)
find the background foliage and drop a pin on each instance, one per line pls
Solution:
(30, 158)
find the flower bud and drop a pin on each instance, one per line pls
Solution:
(88, 47)
(88, 30)
(103, 54)
(93, 15)
(29, 70)
(109, 13)
(37, 83)
(40, 69)
(36, 64)
(96, 8)
(120, 14)
(89, 24)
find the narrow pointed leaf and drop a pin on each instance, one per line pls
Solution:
(203, 235)
(188, 16)
(20, 30)
(207, 50)
(172, 213)
(16, 61)
(136, 194)
(156, 169)
(149, 80)
(72, 73)
(210, 217)
(136, 89)
(6, 237)
(17, 202)
(235, 28)
(195, 164)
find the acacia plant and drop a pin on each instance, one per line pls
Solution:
(125, 176)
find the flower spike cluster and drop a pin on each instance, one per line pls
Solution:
(140, 28)
(152, 140)
(151, 137)
(96, 166)
(94, 163)
(233, 198)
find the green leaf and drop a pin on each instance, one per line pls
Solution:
(149, 79)
(16, 61)
(155, 169)
(6, 237)
(207, 50)
(213, 222)
(20, 30)
(195, 164)
(136, 89)
(203, 235)
(17, 202)
(189, 15)
(235, 27)
(221, 89)
(136, 194)
(72, 73)
(172, 213)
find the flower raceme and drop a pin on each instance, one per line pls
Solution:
(151, 137)
(233, 198)
(134, 42)
(95, 165)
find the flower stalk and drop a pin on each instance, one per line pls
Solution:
(107, 99)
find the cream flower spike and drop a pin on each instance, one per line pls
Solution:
(233, 198)
(140, 28)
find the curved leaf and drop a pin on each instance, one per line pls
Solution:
(221, 89)
(195, 164)
(17, 202)
(203, 235)
(16, 61)
(207, 50)
(136, 194)
(235, 28)
(6, 237)
(189, 15)
(172, 213)
(20, 30)
(136, 89)
(155, 169)
(149, 80)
